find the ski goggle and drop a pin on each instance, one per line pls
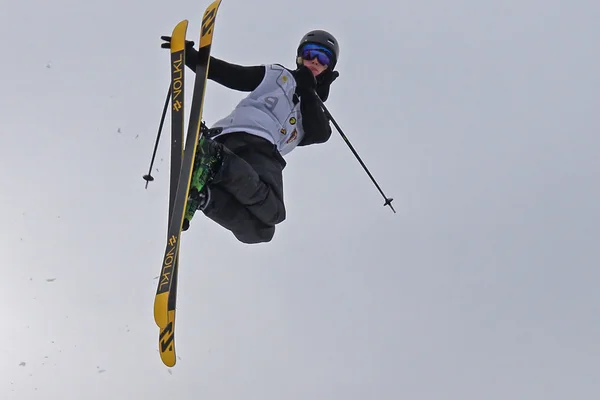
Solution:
(310, 51)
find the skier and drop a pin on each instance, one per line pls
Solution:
(238, 170)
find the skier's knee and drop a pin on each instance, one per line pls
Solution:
(278, 216)
(262, 235)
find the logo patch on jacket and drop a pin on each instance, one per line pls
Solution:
(293, 137)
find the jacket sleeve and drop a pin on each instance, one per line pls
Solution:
(314, 122)
(236, 77)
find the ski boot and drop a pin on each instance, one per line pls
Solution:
(209, 155)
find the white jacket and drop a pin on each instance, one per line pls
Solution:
(271, 111)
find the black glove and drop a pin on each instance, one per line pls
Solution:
(324, 81)
(327, 78)
(305, 80)
(167, 45)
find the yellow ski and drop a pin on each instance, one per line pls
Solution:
(165, 299)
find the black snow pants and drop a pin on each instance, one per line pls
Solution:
(246, 195)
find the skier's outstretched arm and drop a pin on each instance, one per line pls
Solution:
(236, 77)
(233, 76)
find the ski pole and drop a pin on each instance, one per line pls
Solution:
(388, 200)
(148, 177)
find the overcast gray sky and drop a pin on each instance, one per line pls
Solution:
(479, 118)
